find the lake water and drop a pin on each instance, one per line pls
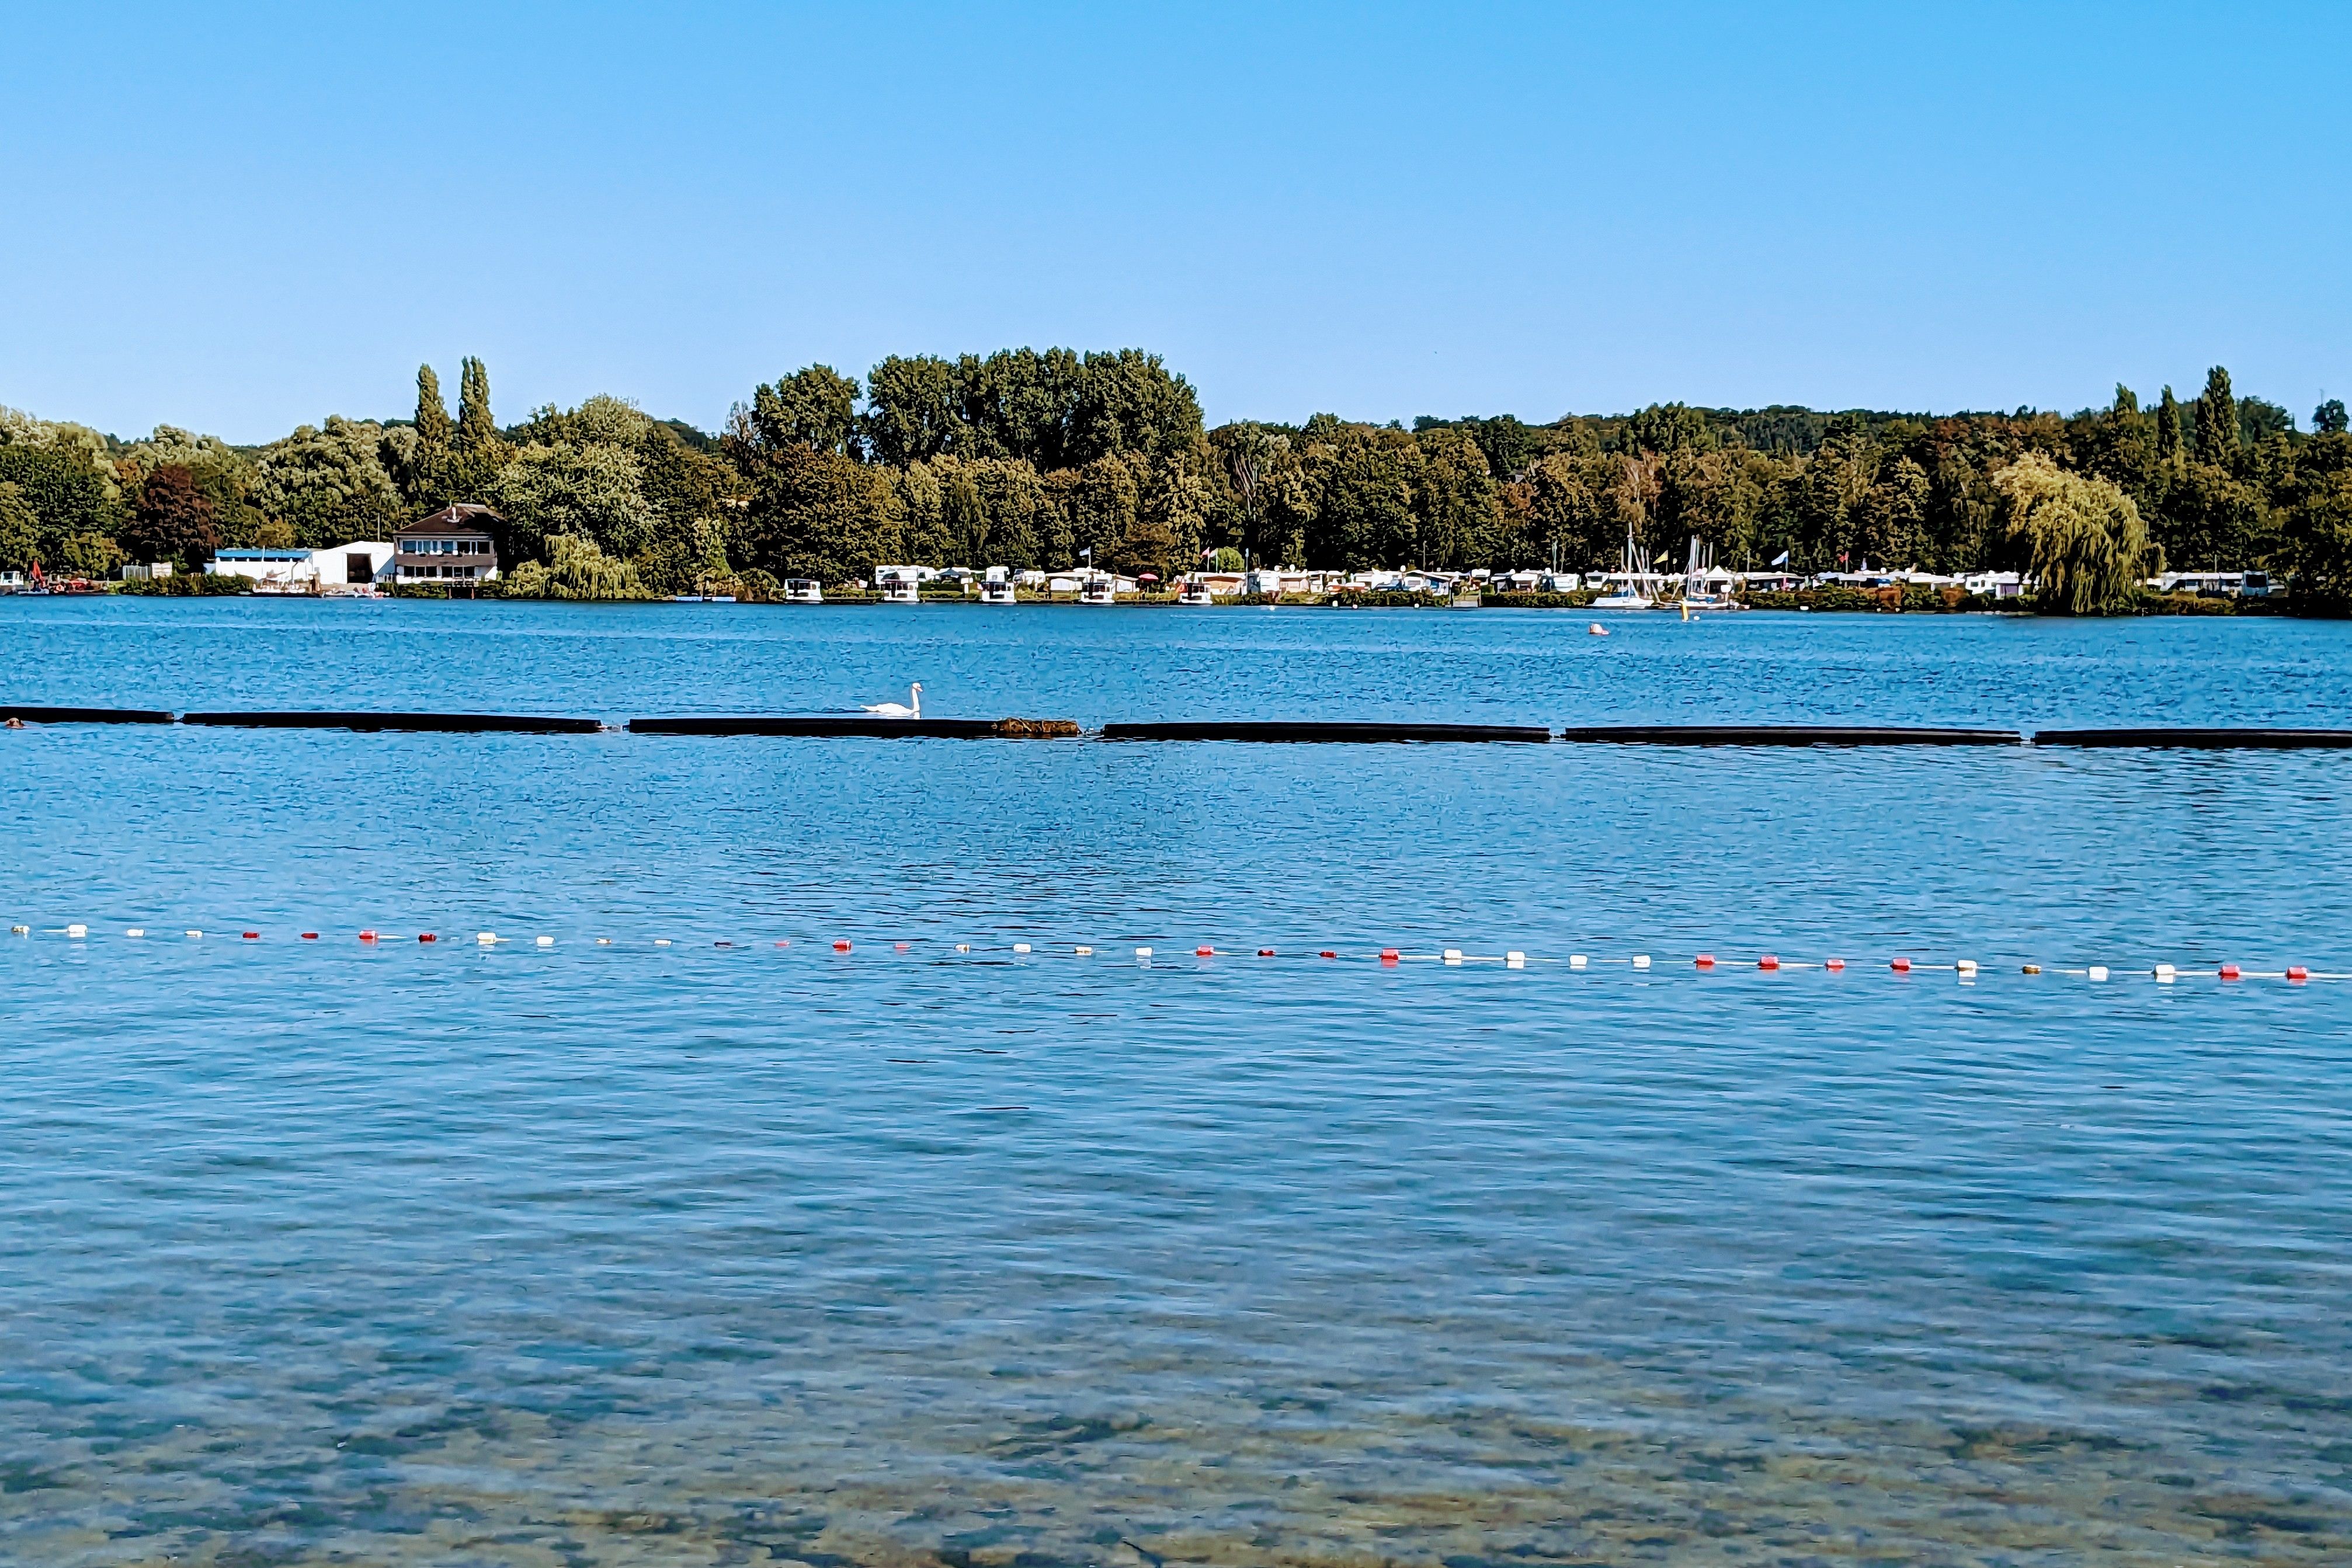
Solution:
(335, 1252)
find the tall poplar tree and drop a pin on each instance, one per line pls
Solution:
(2168, 432)
(2217, 422)
(475, 429)
(432, 416)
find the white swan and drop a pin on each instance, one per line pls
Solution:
(902, 710)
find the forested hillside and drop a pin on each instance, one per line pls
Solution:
(1027, 458)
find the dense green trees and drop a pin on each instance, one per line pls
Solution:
(1042, 457)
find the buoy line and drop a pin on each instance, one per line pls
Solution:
(1702, 964)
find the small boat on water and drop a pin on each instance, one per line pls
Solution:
(1703, 587)
(1637, 590)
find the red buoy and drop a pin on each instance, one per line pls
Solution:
(902, 946)
(253, 936)
(1204, 952)
(310, 936)
(784, 944)
(1769, 961)
(1265, 952)
(841, 946)
(367, 935)
(2229, 971)
(1704, 960)
(1834, 963)
(1328, 953)
(2298, 973)
(1901, 965)
(427, 936)
(1388, 955)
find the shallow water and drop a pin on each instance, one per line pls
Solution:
(325, 1252)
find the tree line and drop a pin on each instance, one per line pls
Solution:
(1028, 458)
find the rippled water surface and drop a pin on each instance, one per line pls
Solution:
(334, 1252)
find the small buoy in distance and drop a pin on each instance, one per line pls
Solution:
(664, 942)
(840, 946)
(1024, 947)
(1578, 960)
(603, 941)
(2097, 971)
(1452, 955)
(1143, 952)
(253, 936)
(1265, 952)
(1204, 952)
(1328, 953)
(2298, 973)
(487, 938)
(136, 931)
(1515, 960)
(784, 944)
(195, 934)
(961, 946)
(426, 936)
(310, 936)
(76, 932)
(1083, 951)
(2229, 971)
(1388, 955)
(2164, 974)
(1836, 965)
(1900, 965)
(550, 942)
(2032, 969)
(1769, 961)
(367, 935)
(900, 947)
(1703, 961)
(1641, 960)
(1965, 966)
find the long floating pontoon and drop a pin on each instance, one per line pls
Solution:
(371, 723)
(1277, 730)
(858, 725)
(2203, 739)
(1787, 735)
(83, 716)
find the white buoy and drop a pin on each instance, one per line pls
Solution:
(136, 931)
(1452, 955)
(1641, 960)
(661, 941)
(603, 941)
(547, 941)
(963, 946)
(76, 932)
(1515, 960)
(1965, 966)
(487, 938)
(2164, 974)
(1021, 947)
(2098, 971)
(1084, 952)
(1577, 961)
(1143, 952)
(194, 935)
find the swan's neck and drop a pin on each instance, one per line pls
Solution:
(915, 701)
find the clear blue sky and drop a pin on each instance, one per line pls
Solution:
(243, 221)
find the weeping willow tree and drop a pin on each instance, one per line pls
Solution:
(579, 571)
(2083, 538)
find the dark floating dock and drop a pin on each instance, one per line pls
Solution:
(859, 725)
(83, 716)
(1284, 731)
(2203, 739)
(431, 723)
(1788, 735)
